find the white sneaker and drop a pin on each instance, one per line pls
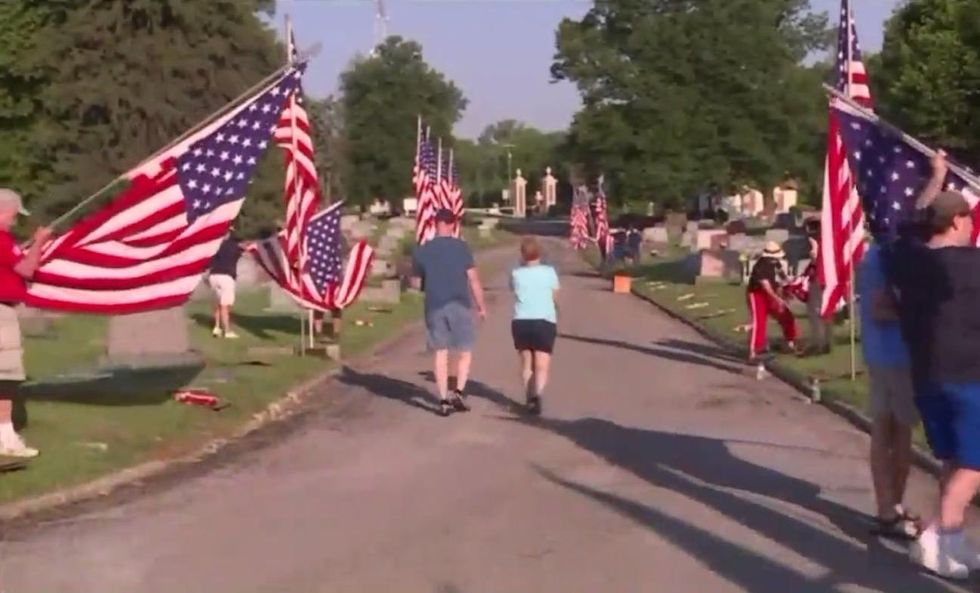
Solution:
(216, 332)
(13, 446)
(231, 335)
(965, 552)
(936, 553)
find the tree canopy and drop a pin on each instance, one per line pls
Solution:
(382, 96)
(678, 94)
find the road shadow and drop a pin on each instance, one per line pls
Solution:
(672, 353)
(480, 390)
(702, 349)
(257, 325)
(761, 499)
(391, 388)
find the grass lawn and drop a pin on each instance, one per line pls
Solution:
(720, 307)
(89, 423)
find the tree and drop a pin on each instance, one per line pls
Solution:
(681, 95)
(111, 82)
(929, 74)
(382, 97)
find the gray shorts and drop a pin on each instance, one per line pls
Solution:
(891, 393)
(451, 327)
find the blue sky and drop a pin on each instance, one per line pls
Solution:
(497, 51)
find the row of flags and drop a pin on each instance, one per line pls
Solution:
(148, 248)
(435, 177)
(579, 224)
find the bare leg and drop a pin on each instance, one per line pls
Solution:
(542, 366)
(441, 370)
(883, 471)
(960, 490)
(6, 410)
(217, 316)
(225, 313)
(463, 369)
(527, 370)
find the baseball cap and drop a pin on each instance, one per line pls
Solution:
(445, 215)
(10, 197)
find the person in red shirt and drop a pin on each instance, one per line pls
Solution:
(16, 268)
(764, 300)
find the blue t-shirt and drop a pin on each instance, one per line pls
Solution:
(881, 341)
(534, 291)
(442, 264)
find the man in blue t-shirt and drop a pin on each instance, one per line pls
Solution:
(447, 275)
(892, 398)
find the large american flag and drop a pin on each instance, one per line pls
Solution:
(603, 236)
(302, 188)
(579, 231)
(322, 284)
(148, 248)
(892, 170)
(426, 181)
(455, 193)
(842, 219)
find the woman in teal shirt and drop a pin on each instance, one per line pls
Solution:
(534, 328)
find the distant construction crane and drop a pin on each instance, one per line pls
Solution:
(380, 25)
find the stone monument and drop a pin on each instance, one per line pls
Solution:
(520, 195)
(151, 339)
(550, 189)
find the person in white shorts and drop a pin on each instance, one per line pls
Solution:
(222, 278)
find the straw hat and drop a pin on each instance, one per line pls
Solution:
(773, 250)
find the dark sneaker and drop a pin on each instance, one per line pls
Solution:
(534, 405)
(459, 401)
(445, 408)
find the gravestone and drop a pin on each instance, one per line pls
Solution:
(490, 223)
(387, 245)
(719, 241)
(746, 243)
(720, 264)
(348, 221)
(362, 229)
(651, 209)
(410, 206)
(389, 293)
(780, 236)
(280, 301)
(656, 234)
(381, 267)
(151, 339)
(736, 227)
(704, 237)
(692, 225)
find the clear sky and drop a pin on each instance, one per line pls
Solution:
(497, 51)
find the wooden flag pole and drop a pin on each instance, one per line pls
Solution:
(852, 313)
(292, 118)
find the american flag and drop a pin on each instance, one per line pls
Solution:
(603, 237)
(455, 193)
(425, 191)
(842, 219)
(148, 248)
(891, 171)
(579, 236)
(323, 285)
(302, 188)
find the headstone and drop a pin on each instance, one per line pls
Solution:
(692, 225)
(379, 208)
(495, 208)
(362, 229)
(520, 195)
(389, 293)
(736, 227)
(785, 198)
(719, 241)
(490, 223)
(744, 243)
(704, 237)
(656, 234)
(280, 301)
(410, 206)
(381, 267)
(778, 235)
(388, 245)
(348, 221)
(151, 339)
(718, 264)
(651, 209)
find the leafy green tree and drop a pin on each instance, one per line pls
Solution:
(930, 72)
(680, 95)
(382, 97)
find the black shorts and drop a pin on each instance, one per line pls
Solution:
(534, 334)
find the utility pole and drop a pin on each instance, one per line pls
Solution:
(380, 25)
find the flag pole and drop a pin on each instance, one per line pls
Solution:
(851, 291)
(288, 24)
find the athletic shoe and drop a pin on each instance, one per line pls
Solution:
(231, 335)
(216, 332)
(13, 446)
(936, 552)
(534, 405)
(458, 399)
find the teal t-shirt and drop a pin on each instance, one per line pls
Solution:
(534, 291)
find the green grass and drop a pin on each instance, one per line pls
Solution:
(665, 281)
(89, 423)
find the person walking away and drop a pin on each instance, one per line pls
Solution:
(15, 269)
(633, 242)
(892, 402)
(534, 327)
(222, 278)
(821, 330)
(764, 300)
(446, 272)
